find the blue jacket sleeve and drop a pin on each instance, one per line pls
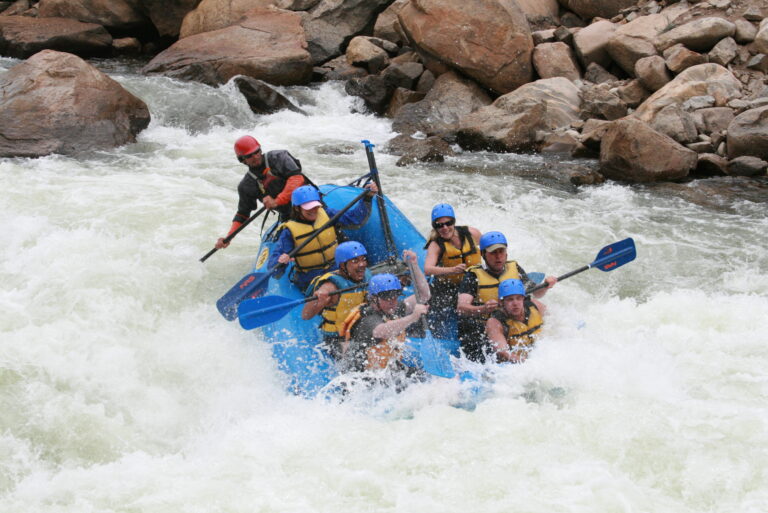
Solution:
(355, 216)
(284, 244)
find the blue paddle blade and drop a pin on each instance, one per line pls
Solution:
(257, 312)
(434, 358)
(615, 255)
(536, 277)
(250, 286)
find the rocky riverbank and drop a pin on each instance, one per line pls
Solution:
(658, 91)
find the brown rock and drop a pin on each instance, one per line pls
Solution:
(652, 72)
(489, 41)
(555, 60)
(591, 43)
(713, 119)
(121, 15)
(632, 93)
(710, 164)
(363, 53)
(699, 35)
(512, 122)
(746, 166)
(331, 23)
(679, 58)
(167, 15)
(126, 46)
(55, 102)
(22, 37)
(267, 45)
(745, 31)
(601, 102)
(702, 80)
(212, 15)
(262, 98)
(388, 26)
(634, 152)
(748, 134)
(400, 97)
(588, 9)
(598, 74)
(449, 100)
(593, 132)
(723, 52)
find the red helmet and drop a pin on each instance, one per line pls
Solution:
(246, 145)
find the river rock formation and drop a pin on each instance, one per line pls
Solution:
(55, 102)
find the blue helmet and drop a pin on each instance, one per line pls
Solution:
(442, 210)
(492, 238)
(349, 250)
(511, 287)
(304, 194)
(383, 282)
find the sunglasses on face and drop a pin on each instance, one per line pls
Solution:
(449, 222)
(242, 158)
(389, 295)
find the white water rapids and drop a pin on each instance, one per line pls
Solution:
(123, 390)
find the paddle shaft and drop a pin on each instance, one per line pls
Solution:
(596, 263)
(389, 240)
(232, 235)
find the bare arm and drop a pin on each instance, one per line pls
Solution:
(392, 328)
(495, 334)
(420, 281)
(312, 308)
(430, 263)
(465, 306)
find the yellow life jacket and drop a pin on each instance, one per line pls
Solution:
(451, 256)
(521, 335)
(379, 355)
(334, 315)
(318, 254)
(488, 285)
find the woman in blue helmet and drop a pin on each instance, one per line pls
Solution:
(376, 330)
(513, 327)
(352, 259)
(308, 214)
(451, 250)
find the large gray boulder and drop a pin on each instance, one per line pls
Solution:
(331, 23)
(22, 36)
(267, 45)
(449, 100)
(514, 121)
(55, 102)
(487, 40)
(748, 134)
(632, 151)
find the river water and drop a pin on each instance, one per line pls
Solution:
(123, 390)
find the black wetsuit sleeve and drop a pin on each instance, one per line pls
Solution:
(249, 193)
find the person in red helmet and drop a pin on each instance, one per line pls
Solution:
(271, 178)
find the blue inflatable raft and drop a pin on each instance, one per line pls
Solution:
(296, 343)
